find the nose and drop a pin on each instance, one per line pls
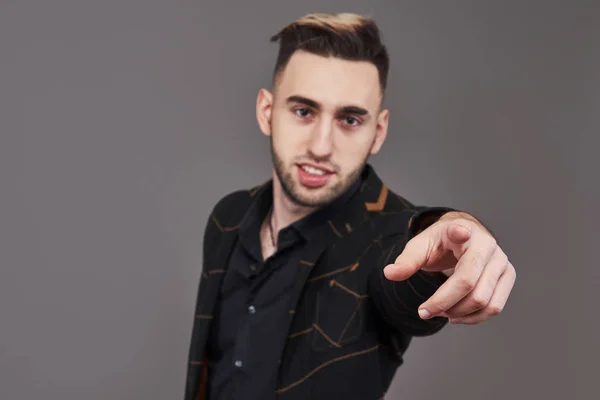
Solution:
(321, 141)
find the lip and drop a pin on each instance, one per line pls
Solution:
(311, 181)
(316, 166)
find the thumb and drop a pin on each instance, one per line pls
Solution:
(413, 257)
(458, 233)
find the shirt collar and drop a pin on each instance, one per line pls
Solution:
(263, 201)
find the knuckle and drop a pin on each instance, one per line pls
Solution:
(465, 283)
(479, 301)
(503, 257)
(495, 309)
(478, 261)
(493, 251)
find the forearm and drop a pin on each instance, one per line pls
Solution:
(398, 301)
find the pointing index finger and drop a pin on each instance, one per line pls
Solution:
(413, 256)
(466, 274)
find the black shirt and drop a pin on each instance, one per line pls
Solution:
(247, 336)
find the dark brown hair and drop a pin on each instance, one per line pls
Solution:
(347, 36)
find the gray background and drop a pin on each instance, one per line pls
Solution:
(123, 122)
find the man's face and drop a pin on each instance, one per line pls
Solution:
(324, 121)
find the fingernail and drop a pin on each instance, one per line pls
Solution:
(386, 271)
(423, 313)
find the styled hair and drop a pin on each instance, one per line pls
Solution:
(344, 35)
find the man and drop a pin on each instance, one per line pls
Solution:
(314, 282)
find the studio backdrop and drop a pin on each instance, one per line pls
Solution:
(123, 122)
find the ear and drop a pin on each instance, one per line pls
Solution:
(381, 130)
(264, 107)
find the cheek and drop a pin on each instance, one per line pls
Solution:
(352, 149)
(289, 139)
(287, 149)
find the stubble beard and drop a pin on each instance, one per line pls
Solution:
(292, 191)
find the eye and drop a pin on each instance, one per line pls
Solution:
(302, 112)
(351, 121)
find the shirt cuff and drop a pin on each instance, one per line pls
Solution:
(424, 217)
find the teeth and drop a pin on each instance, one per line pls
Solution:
(312, 170)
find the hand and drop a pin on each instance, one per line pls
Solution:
(480, 275)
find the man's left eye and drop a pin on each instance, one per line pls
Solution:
(351, 121)
(302, 112)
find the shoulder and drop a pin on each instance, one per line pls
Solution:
(227, 214)
(400, 216)
(397, 203)
(395, 214)
(418, 216)
(231, 207)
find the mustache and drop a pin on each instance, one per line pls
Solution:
(318, 163)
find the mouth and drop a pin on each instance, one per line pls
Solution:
(314, 176)
(314, 169)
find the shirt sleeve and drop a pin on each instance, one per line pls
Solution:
(424, 217)
(397, 302)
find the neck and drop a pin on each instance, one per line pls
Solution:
(285, 211)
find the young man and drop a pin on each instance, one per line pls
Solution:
(314, 282)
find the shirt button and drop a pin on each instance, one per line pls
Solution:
(238, 363)
(252, 267)
(251, 309)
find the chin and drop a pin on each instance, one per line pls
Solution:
(306, 190)
(313, 197)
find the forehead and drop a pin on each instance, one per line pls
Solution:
(330, 81)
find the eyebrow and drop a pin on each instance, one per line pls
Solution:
(354, 110)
